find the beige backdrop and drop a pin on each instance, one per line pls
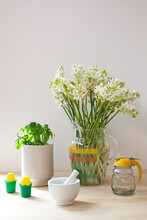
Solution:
(36, 36)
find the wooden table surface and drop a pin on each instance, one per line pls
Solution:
(93, 203)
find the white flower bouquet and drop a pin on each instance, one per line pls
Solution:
(93, 98)
(91, 101)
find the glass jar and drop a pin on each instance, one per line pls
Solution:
(89, 153)
(123, 180)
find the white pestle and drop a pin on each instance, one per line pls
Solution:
(71, 178)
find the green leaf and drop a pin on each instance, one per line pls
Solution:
(19, 142)
(45, 136)
(32, 134)
(21, 129)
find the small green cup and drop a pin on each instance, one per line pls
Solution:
(25, 190)
(10, 186)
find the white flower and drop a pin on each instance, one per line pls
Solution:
(79, 92)
(78, 71)
(114, 91)
(60, 72)
(127, 109)
(94, 77)
(92, 83)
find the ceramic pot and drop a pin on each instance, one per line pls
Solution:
(37, 163)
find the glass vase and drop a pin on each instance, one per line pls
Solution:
(89, 153)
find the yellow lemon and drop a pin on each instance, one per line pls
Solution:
(10, 177)
(26, 181)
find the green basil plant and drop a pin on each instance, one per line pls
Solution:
(33, 134)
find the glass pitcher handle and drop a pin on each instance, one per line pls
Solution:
(115, 145)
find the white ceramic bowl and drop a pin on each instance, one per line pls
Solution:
(63, 194)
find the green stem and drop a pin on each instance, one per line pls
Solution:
(68, 106)
(97, 118)
(78, 110)
(75, 113)
(67, 113)
(103, 117)
(91, 102)
(94, 125)
(83, 111)
(111, 118)
(111, 110)
(97, 104)
(86, 107)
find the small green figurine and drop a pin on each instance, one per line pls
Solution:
(10, 183)
(25, 187)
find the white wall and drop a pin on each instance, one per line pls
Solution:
(36, 36)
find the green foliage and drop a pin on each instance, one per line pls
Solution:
(33, 134)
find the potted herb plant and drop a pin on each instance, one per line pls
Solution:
(37, 153)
